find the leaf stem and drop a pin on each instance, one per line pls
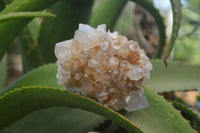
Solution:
(148, 5)
(176, 8)
(18, 15)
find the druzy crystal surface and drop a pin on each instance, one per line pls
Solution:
(104, 66)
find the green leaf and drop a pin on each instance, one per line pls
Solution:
(43, 76)
(3, 71)
(111, 127)
(186, 110)
(56, 120)
(7, 1)
(148, 5)
(29, 50)
(160, 117)
(10, 29)
(18, 15)
(42, 97)
(190, 15)
(108, 13)
(163, 117)
(2, 5)
(176, 8)
(69, 14)
(176, 76)
(188, 114)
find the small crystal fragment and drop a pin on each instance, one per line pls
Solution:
(102, 28)
(104, 46)
(136, 101)
(63, 50)
(113, 63)
(104, 66)
(136, 73)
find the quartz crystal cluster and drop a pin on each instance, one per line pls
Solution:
(104, 66)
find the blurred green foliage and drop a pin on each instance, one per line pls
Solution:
(187, 46)
(187, 49)
(126, 19)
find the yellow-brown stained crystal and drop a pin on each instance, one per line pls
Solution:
(104, 66)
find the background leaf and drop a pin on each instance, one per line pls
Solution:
(2, 5)
(108, 13)
(113, 128)
(43, 76)
(29, 50)
(188, 114)
(18, 15)
(69, 14)
(3, 71)
(176, 76)
(56, 120)
(148, 5)
(16, 26)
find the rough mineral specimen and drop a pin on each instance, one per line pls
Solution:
(104, 66)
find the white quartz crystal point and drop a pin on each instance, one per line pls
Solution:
(136, 101)
(63, 50)
(87, 36)
(148, 66)
(112, 35)
(136, 73)
(102, 28)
